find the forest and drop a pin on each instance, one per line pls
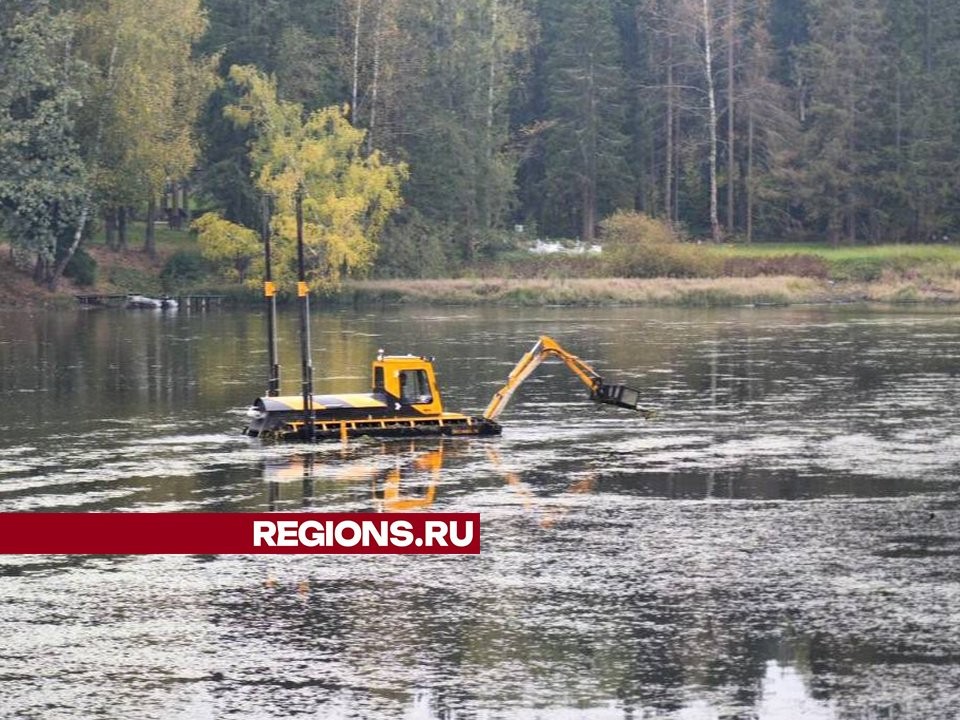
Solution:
(426, 135)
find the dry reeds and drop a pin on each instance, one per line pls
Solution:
(590, 291)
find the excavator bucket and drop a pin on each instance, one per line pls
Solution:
(619, 395)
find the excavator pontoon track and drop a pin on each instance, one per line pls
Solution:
(394, 427)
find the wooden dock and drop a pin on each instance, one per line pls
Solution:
(102, 300)
(199, 302)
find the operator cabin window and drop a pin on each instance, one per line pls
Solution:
(414, 388)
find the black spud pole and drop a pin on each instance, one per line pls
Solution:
(270, 293)
(309, 416)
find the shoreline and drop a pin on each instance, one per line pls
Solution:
(574, 292)
(751, 275)
(694, 292)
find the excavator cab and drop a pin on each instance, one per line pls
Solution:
(408, 380)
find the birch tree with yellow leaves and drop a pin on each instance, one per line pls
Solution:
(348, 194)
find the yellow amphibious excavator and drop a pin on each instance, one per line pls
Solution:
(405, 402)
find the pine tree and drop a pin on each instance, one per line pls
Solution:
(844, 160)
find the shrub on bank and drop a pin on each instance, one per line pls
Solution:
(413, 247)
(637, 245)
(183, 269)
(82, 268)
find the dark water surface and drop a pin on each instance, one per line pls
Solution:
(782, 542)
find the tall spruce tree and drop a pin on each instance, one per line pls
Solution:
(769, 126)
(926, 110)
(454, 126)
(586, 173)
(845, 161)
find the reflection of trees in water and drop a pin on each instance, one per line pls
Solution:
(470, 640)
(733, 363)
(118, 363)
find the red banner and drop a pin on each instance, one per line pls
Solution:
(238, 533)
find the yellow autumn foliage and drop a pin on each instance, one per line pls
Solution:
(347, 194)
(234, 248)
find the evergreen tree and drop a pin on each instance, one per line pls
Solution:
(455, 121)
(770, 128)
(585, 170)
(926, 110)
(844, 166)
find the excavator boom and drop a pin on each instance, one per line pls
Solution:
(545, 347)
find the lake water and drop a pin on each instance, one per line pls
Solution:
(782, 541)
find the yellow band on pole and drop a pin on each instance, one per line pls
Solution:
(302, 289)
(269, 289)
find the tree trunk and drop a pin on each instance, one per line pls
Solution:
(187, 212)
(851, 218)
(375, 82)
(592, 133)
(110, 228)
(356, 64)
(668, 164)
(40, 272)
(150, 233)
(57, 272)
(589, 219)
(750, 131)
(676, 167)
(730, 117)
(852, 132)
(493, 64)
(484, 202)
(122, 228)
(174, 215)
(712, 119)
(898, 116)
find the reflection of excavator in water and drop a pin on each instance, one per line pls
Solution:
(408, 480)
(392, 498)
(406, 402)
